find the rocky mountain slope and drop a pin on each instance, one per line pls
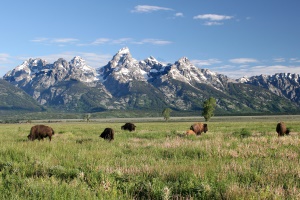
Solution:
(284, 84)
(13, 98)
(126, 83)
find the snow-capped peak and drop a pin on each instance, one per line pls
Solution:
(183, 59)
(243, 79)
(152, 58)
(31, 65)
(124, 50)
(151, 61)
(78, 62)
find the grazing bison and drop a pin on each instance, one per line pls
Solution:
(128, 126)
(190, 132)
(198, 128)
(40, 132)
(281, 129)
(108, 134)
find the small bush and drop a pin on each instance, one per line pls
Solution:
(243, 133)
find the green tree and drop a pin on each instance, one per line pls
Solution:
(209, 108)
(87, 117)
(166, 113)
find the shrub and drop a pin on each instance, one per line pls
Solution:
(243, 133)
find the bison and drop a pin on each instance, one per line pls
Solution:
(281, 129)
(128, 126)
(198, 128)
(108, 134)
(190, 132)
(40, 132)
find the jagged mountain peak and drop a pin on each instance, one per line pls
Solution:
(125, 82)
(124, 51)
(61, 63)
(242, 80)
(282, 84)
(151, 62)
(36, 61)
(152, 59)
(286, 75)
(184, 60)
(31, 63)
(123, 68)
(122, 58)
(77, 60)
(184, 64)
(80, 63)
(26, 69)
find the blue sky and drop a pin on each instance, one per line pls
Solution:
(232, 37)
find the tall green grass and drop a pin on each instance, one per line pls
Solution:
(233, 160)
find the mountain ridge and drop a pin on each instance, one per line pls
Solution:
(126, 83)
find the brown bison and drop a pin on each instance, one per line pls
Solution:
(281, 129)
(128, 126)
(40, 132)
(108, 134)
(198, 128)
(190, 132)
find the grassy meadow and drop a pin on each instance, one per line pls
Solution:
(233, 160)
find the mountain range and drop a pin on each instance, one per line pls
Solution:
(129, 84)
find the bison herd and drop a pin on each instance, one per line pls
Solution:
(41, 131)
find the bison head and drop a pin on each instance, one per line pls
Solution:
(205, 128)
(29, 137)
(287, 131)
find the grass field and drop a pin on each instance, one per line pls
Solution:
(240, 159)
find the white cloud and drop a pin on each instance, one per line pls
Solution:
(294, 60)
(40, 40)
(64, 40)
(179, 14)
(210, 23)
(213, 17)
(58, 41)
(4, 58)
(100, 41)
(279, 60)
(243, 60)
(273, 69)
(148, 9)
(122, 40)
(154, 41)
(205, 62)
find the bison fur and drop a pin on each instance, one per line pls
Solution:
(40, 132)
(108, 134)
(190, 132)
(128, 126)
(281, 129)
(198, 128)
